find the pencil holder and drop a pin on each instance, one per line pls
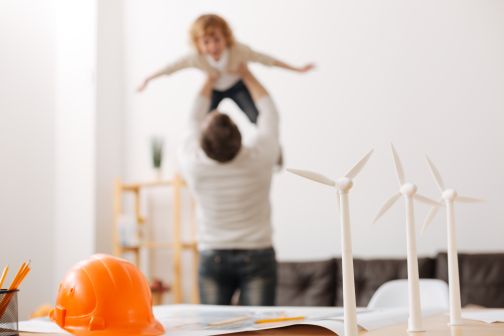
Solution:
(8, 312)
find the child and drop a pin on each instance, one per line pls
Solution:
(218, 54)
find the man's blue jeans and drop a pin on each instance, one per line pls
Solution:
(252, 272)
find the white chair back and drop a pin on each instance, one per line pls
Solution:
(392, 294)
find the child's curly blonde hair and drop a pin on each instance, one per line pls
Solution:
(206, 24)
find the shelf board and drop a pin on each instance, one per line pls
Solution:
(148, 184)
(159, 245)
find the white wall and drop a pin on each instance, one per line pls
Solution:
(89, 134)
(27, 146)
(109, 116)
(427, 75)
(75, 131)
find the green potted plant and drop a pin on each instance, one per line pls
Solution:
(157, 145)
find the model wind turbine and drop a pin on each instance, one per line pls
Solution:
(449, 196)
(343, 186)
(409, 192)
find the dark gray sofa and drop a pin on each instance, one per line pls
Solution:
(318, 283)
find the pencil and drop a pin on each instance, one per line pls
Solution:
(16, 277)
(4, 275)
(280, 319)
(16, 282)
(23, 276)
(229, 321)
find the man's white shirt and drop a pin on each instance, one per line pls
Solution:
(233, 199)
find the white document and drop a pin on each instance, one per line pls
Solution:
(385, 317)
(199, 320)
(487, 315)
(41, 325)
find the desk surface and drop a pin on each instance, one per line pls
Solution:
(435, 326)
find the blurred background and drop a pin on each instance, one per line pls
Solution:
(425, 75)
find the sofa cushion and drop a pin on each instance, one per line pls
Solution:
(306, 283)
(481, 278)
(372, 273)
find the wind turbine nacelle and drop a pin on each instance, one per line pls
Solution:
(408, 189)
(449, 195)
(344, 184)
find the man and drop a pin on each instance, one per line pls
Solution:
(231, 182)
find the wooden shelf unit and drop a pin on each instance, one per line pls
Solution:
(176, 244)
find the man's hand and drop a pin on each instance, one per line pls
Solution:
(256, 89)
(212, 77)
(207, 88)
(243, 70)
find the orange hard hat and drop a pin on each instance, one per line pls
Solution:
(105, 296)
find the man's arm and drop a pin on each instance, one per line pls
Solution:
(256, 89)
(190, 146)
(201, 106)
(206, 89)
(267, 123)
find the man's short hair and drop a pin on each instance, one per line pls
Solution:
(221, 138)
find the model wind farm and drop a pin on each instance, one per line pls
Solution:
(449, 197)
(343, 186)
(408, 191)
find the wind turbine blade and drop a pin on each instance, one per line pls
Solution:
(387, 206)
(398, 166)
(426, 200)
(312, 176)
(467, 199)
(358, 166)
(430, 217)
(437, 176)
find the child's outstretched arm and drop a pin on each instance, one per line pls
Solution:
(301, 69)
(182, 63)
(259, 57)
